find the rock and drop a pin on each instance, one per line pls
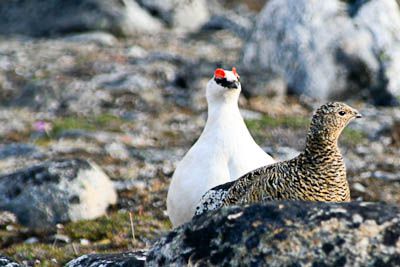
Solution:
(84, 242)
(101, 38)
(395, 133)
(239, 25)
(134, 259)
(235, 17)
(43, 18)
(31, 240)
(382, 20)
(18, 123)
(130, 185)
(121, 82)
(60, 238)
(18, 150)
(7, 262)
(117, 151)
(56, 191)
(7, 218)
(286, 234)
(329, 49)
(186, 15)
(359, 187)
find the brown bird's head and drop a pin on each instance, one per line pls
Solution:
(330, 119)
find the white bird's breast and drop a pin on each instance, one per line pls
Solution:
(224, 152)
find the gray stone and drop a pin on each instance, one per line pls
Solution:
(18, 123)
(57, 191)
(42, 18)
(239, 25)
(18, 150)
(101, 38)
(134, 259)
(329, 49)
(7, 218)
(31, 240)
(286, 234)
(186, 15)
(7, 262)
(123, 82)
(117, 151)
(382, 20)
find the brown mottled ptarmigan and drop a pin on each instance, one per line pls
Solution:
(316, 174)
(224, 151)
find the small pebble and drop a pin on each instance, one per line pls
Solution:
(359, 187)
(84, 242)
(61, 238)
(31, 240)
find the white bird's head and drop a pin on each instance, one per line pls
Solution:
(224, 86)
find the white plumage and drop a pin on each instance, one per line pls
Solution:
(224, 151)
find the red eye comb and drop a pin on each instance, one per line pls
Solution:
(235, 72)
(219, 73)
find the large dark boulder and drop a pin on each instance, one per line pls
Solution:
(56, 191)
(119, 17)
(43, 18)
(327, 49)
(286, 234)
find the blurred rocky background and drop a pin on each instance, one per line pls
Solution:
(100, 99)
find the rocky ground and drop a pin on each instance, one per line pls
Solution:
(134, 106)
(285, 234)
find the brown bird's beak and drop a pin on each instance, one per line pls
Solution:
(357, 115)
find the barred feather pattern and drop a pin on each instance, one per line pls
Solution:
(316, 174)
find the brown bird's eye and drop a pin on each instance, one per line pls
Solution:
(342, 113)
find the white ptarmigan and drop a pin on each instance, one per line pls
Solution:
(224, 151)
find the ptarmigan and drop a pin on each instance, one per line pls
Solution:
(316, 174)
(224, 151)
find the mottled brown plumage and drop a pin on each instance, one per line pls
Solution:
(316, 174)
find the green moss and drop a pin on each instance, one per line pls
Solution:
(117, 228)
(294, 122)
(261, 128)
(104, 121)
(42, 141)
(108, 234)
(43, 254)
(101, 228)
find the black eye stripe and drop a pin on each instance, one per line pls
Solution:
(225, 83)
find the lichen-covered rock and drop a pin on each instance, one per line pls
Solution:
(286, 234)
(134, 259)
(329, 49)
(56, 191)
(7, 262)
(42, 18)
